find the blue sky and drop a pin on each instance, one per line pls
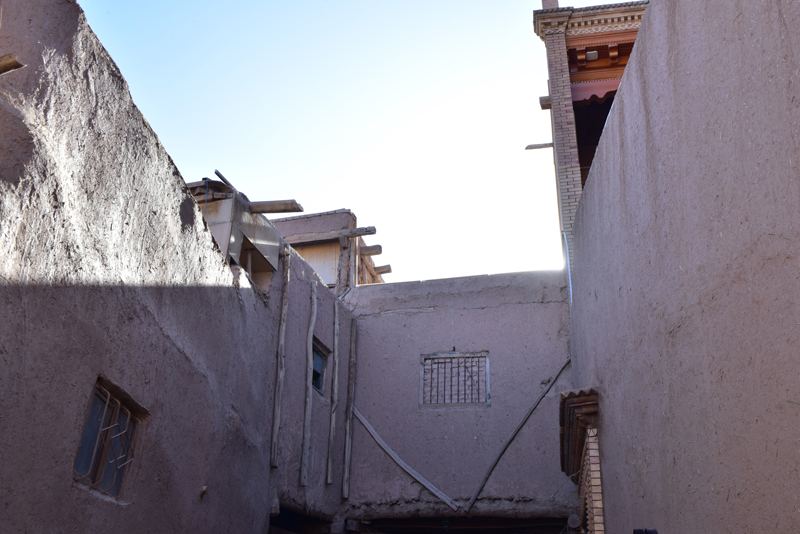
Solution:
(413, 114)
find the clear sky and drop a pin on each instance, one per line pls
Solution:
(414, 114)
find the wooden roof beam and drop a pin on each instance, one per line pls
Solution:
(374, 250)
(276, 206)
(316, 237)
(383, 269)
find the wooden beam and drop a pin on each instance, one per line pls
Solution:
(404, 466)
(201, 196)
(374, 250)
(9, 62)
(536, 147)
(348, 421)
(383, 269)
(315, 237)
(305, 459)
(276, 206)
(524, 420)
(277, 401)
(334, 391)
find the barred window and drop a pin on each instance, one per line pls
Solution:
(452, 378)
(107, 444)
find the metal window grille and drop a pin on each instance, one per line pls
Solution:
(455, 378)
(107, 444)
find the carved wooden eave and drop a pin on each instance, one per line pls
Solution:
(577, 413)
(587, 21)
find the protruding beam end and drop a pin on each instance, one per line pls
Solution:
(374, 250)
(535, 147)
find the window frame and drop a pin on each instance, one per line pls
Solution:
(110, 440)
(324, 352)
(455, 355)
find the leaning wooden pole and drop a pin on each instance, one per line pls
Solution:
(348, 422)
(334, 391)
(404, 466)
(305, 457)
(279, 377)
(513, 435)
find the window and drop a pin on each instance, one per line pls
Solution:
(318, 375)
(107, 444)
(455, 378)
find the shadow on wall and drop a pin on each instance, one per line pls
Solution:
(195, 365)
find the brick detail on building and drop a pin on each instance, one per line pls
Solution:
(565, 143)
(590, 487)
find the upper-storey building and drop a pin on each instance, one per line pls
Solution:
(587, 51)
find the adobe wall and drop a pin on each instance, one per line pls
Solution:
(107, 269)
(522, 321)
(687, 242)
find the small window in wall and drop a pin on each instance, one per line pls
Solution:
(318, 373)
(107, 445)
(454, 378)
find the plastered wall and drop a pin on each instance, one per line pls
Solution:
(522, 321)
(107, 269)
(687, 241)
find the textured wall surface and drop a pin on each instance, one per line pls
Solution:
(107, 269)
(522, 321)
(686, 259)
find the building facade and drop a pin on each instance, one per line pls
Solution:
(170, 362)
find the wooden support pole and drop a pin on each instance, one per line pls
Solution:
(348, 421)
(279, 377)
(315, 237)
(404, 466)
(306, 454)
(374, 250)
(334, 391)
(383, 269)
(276, 206)
(514, 434)
(343, 266)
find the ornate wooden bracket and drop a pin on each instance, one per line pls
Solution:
(578, 413)
(613, 53)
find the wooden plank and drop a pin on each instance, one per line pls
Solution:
(334, 391)
(536, 147)
(383, 269)
(314, 237)
(9, 62)
(373, 250)
(306, 454)
(514, 434)
(404, 466)
(276, 206)
(279, 378)
(201, 196)
(348, 421)
(323, 258)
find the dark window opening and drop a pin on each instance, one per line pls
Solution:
(590, 119)
(107, 445)
(318, 373)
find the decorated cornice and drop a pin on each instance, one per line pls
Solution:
(589, 20)
(578, 414)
